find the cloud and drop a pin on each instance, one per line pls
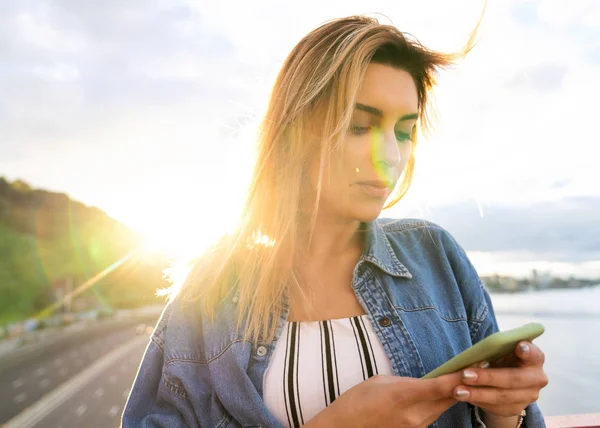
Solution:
(60, 72)
(543, 77)
(592, 55)
(560, 183)
(562, 14)
(69, 66)
(566, 230)
(525, 13)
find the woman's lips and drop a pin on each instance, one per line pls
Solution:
(376, 189)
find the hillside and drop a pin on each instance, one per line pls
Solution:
(47, 238)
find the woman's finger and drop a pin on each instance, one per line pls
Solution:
(410, 390)
(509, 378)
(530, 354)
(490, 396)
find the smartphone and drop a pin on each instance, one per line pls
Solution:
(490, 349)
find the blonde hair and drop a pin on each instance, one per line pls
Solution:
(318, 82)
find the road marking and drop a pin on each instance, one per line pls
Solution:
(40, 371)
(81, 410)
(99, 393)
(113, 411)
(19, 398)
(49, 402)
(17, 383)
(44, 383)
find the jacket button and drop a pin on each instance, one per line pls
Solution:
(385, 322)
(261, 351)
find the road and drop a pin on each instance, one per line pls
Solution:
(84, 382)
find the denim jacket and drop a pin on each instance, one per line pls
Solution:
(422, 295)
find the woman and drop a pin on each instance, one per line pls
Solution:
(314, 312)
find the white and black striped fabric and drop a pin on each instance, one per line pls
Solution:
(315, 362)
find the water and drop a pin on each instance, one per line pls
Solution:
(571, 344)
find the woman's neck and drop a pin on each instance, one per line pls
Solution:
(324, 272)
(330, 238)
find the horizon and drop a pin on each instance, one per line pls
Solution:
(487, 264)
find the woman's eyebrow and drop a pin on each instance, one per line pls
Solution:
(371, 110)
(376, 112)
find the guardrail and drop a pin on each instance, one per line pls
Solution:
(590, 420)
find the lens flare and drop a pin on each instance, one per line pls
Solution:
(378, 156)
(87, 284)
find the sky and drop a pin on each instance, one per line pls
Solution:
(146, 109)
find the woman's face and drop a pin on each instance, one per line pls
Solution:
(375, 149)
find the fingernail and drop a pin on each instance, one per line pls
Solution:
(462, 393)
(469, 375)
(524, 348)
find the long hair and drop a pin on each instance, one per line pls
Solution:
(308, 114)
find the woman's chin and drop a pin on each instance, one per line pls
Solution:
(366, 214)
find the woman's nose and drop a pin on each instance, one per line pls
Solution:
(386, 151)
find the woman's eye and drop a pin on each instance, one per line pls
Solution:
(360, 129)
(402, 136)
(363, 129)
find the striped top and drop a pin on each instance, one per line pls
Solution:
(315, 362)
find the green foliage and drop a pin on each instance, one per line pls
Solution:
(46, 237)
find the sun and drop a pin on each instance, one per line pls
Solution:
(180, 239)
(181, 233)
(171, 244)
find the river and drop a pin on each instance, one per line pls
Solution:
(571, 343)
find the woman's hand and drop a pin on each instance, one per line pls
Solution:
(508, 389)
(390, 401)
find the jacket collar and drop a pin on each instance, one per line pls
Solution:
(379, 251)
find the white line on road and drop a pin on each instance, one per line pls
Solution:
(81, 410)
(19, 398)
(49, 402)
(113, 411)
(17, 383)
